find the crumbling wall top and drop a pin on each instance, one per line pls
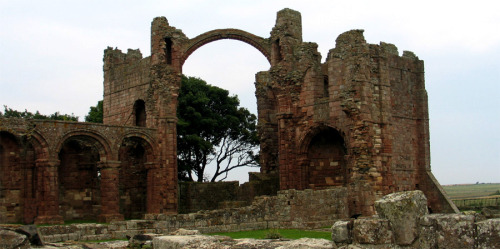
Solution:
(116, 57)
(289, 24)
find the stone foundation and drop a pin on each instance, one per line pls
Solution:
(289, 209)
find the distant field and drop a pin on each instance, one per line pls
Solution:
(464, 191)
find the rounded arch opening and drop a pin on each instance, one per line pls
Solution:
(11, 180)
(326, 164)
(230, 64)
(257, 42)
(79, 178)
(134, 154)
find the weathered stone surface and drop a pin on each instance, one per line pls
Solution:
(307, 243)
(342, 231)
(488, 234)
(31, 231)
(178, 242)
(107, 245)
(12, 240)
(403, 210)
(183, 232)
(373, 231)
(142, 240)
(447, 231)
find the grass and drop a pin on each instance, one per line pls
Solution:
(474, 196)
(285, 233)
(464, 191)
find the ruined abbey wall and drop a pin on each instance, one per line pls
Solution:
(126, 80)
(357, 120)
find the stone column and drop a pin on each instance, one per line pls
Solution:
(166, 172)
(110, 195)
(48, 192)
(153, 205)
(289, 177)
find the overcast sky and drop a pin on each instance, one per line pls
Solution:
(51, 57)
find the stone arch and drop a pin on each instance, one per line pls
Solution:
(323, 151)
(308, 135)
(11, 172)
(102, 144)
(40, 145)
(146, 140)
(136, 155)
(257, 42)
(79, 178)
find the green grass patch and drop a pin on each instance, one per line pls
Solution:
(285, 233)
(463, 191)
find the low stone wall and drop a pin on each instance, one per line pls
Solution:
(197, 196)
(289, 209)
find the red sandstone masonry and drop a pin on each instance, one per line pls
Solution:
(358, 120)
(289, 209)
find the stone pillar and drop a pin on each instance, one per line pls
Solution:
(48, 192)
(29, 202)
(167, 171)
(290, 177)
(268, 127)
(153, 205)
(110, 195)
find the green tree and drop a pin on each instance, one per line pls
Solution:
(10, 113)
(95, 114)
(212, 130)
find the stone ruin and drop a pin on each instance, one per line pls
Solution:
(357, 122)
(402, 221)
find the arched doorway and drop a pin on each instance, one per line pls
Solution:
(133, 183)
(79, 179)
(326, 164)
(11, 180)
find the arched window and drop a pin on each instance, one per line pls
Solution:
(140, 113)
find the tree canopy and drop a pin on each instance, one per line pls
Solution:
(212, 130)
(95, 113)
(10, 113)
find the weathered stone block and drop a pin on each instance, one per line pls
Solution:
(31, 232)
(403, 210)
(178, 242)
(308, 243)
(10, 239)
(447, 231)
(488, 234)
(373, 231)
(342, 231)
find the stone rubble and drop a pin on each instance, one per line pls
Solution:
(10, 239)
(402, 221)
